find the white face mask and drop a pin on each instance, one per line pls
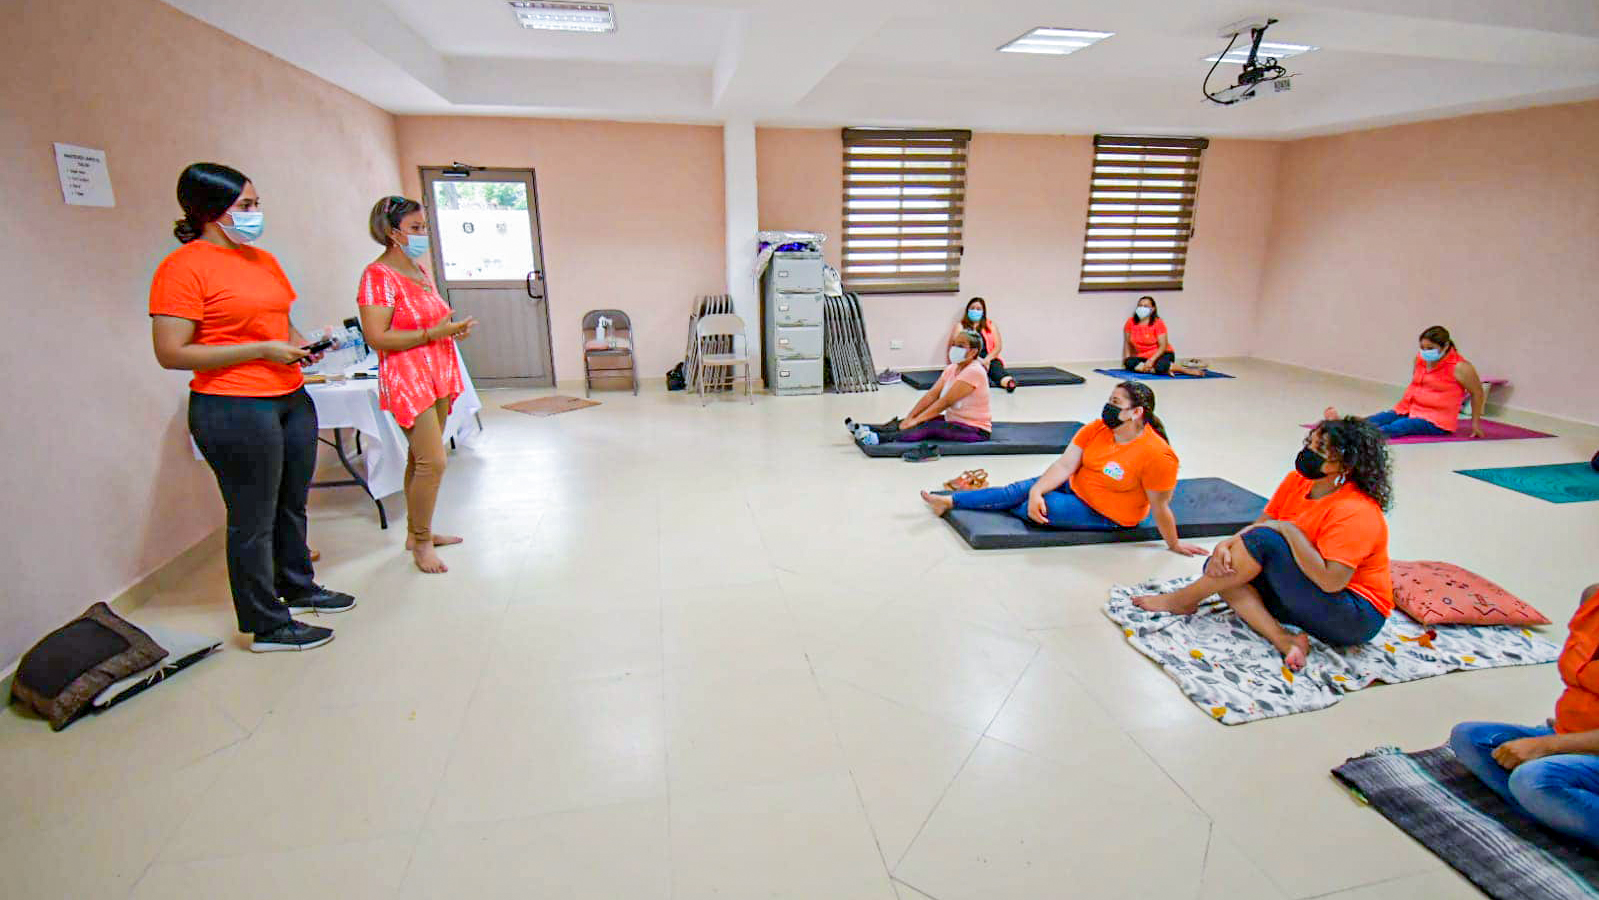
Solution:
(957, 355)
(1143, 312)
(246, 227)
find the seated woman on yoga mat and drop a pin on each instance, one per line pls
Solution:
(1115, 471)
(955, 408)
(1144, 344)
(1549, 773)
(976, 319)
(1431, 404)
(1317, 558)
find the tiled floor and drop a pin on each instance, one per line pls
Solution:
(692, 653)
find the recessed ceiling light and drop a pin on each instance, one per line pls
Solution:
(1055, 41)
(554, 15)
(1238, 55)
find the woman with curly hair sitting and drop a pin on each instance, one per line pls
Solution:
(1317, 558)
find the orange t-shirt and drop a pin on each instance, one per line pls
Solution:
(1145, 338)
(1578, 708)
(1346, 526)
(234, 297)
(972, 409)
(1113, 477)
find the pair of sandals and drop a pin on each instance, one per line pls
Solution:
(969, 480)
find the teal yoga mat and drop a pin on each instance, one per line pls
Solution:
(1563, 483)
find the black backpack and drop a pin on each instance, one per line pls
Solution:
(675, 380)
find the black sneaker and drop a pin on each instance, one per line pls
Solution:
(320, 600)
(293, 636)
(923, 453)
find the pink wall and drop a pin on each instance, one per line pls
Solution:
(100, 487)
(632, 217)
(1027, 198)
(1488, 225)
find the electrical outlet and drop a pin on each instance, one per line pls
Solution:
(896, 344)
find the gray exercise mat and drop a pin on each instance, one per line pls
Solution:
(1204, 507)
(1009, 439)
(1026, 376)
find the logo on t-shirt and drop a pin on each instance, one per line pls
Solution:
(1113, 470)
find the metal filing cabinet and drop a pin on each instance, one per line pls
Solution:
(793, 326)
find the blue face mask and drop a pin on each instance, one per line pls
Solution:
(1432, 356)
(974, 314)
(957, 355)
(415, 245)
(1143, 312)
(246, 227)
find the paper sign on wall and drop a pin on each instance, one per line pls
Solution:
(85, 180)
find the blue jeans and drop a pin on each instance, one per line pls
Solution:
(1341, 619)
(1560, 792)
(1066, 512)
(1395, 425)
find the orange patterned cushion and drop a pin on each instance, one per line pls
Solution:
(1438, 593)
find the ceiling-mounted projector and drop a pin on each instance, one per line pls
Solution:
(1258, 72)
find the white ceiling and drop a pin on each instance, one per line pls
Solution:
(934, 62)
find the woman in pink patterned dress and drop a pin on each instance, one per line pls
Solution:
(408, 323)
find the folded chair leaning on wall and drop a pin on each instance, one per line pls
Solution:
(615, 348)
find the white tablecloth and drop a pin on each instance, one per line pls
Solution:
(354, 404)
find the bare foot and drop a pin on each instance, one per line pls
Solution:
(1329, 414)
(316, 555)
(1166, 603)
(427, 560)
(939, 505)
(439, 540)
(1298, 652)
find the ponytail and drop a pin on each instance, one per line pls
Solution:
(1143, 395)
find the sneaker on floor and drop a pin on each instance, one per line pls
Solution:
(320, 600)
(888, 376)
(293, 636)
(922, 453)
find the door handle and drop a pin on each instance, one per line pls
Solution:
(535, 275)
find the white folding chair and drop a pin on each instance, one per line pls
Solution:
(722, 325)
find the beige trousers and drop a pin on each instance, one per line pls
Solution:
(424, 469)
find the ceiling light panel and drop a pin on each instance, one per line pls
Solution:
(1238, 55)
(1055, 41)
(553, 15)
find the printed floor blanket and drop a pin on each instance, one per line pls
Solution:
(1231, 673)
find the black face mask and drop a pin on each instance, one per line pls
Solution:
(1111, 415)
(1309, 463)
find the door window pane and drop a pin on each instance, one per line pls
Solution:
(485, 232)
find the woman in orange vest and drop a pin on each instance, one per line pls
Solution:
(1144, 344)
(1431, 405)
(1317, 558)
(976, 319)
(1549, 773)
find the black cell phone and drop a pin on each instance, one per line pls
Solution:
(319, 346)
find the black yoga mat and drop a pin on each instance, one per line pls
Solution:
(1026, 376)
(1009, 439)
(1204, 507)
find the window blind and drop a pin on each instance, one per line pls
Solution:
(904, 201)
(1140, 213)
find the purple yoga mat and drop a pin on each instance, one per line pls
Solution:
(1491, 431)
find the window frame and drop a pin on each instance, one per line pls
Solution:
(879, 241)
(1115, 232)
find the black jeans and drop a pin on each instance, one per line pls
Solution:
(263, 451)
(1162, 363)
(997, 372)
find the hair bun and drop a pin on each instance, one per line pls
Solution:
(184, 231)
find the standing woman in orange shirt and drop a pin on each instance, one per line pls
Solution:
(219, 307)
(419, 376)
(1317, 558)
(1144, 345)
